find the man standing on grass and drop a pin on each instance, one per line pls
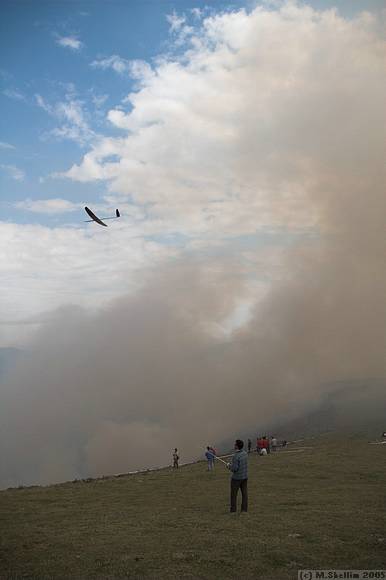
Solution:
(210, 457)
(175, 459)
(239, 480)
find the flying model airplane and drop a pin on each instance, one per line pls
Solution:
(98, 220)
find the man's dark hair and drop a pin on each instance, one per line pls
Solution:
(239, 444)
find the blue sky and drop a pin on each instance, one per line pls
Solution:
(197, 119)
(48, 50)
(35, 60)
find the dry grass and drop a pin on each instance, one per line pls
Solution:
(321, 508)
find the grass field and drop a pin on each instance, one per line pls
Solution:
(323, 507)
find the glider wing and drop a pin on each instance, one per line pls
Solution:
(94, 217)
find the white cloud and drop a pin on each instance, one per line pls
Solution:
(197, 12)
(47, 206)
(72, 112)
(115, 62)
(141, 70)
(235, 134)
(136, 69)
(45, 268)
(119, 119)
(69, 42)
(4, 145)
(176, 22)
(14, 172)
(179, 29)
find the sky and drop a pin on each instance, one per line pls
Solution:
(134, 105)
(244, 146)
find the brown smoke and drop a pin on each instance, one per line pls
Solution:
(117, 390)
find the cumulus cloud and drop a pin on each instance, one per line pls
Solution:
(234, 134)
(71, 42)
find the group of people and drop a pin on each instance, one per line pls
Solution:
(238, 466)
(265, 445)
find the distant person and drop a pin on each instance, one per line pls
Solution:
(213, 450)
(175, 459)
(249, 445)
(259, 445)
(265, 444)
(284, 443)
(273, 443)
(239, 479)
(210, 458)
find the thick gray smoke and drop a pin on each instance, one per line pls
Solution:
(118, 390)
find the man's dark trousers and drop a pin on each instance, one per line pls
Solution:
(237, 484)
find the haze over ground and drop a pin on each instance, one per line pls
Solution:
(246, 276)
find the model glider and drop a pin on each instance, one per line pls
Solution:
(98, 220)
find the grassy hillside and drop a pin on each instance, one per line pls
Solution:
(323, 507)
